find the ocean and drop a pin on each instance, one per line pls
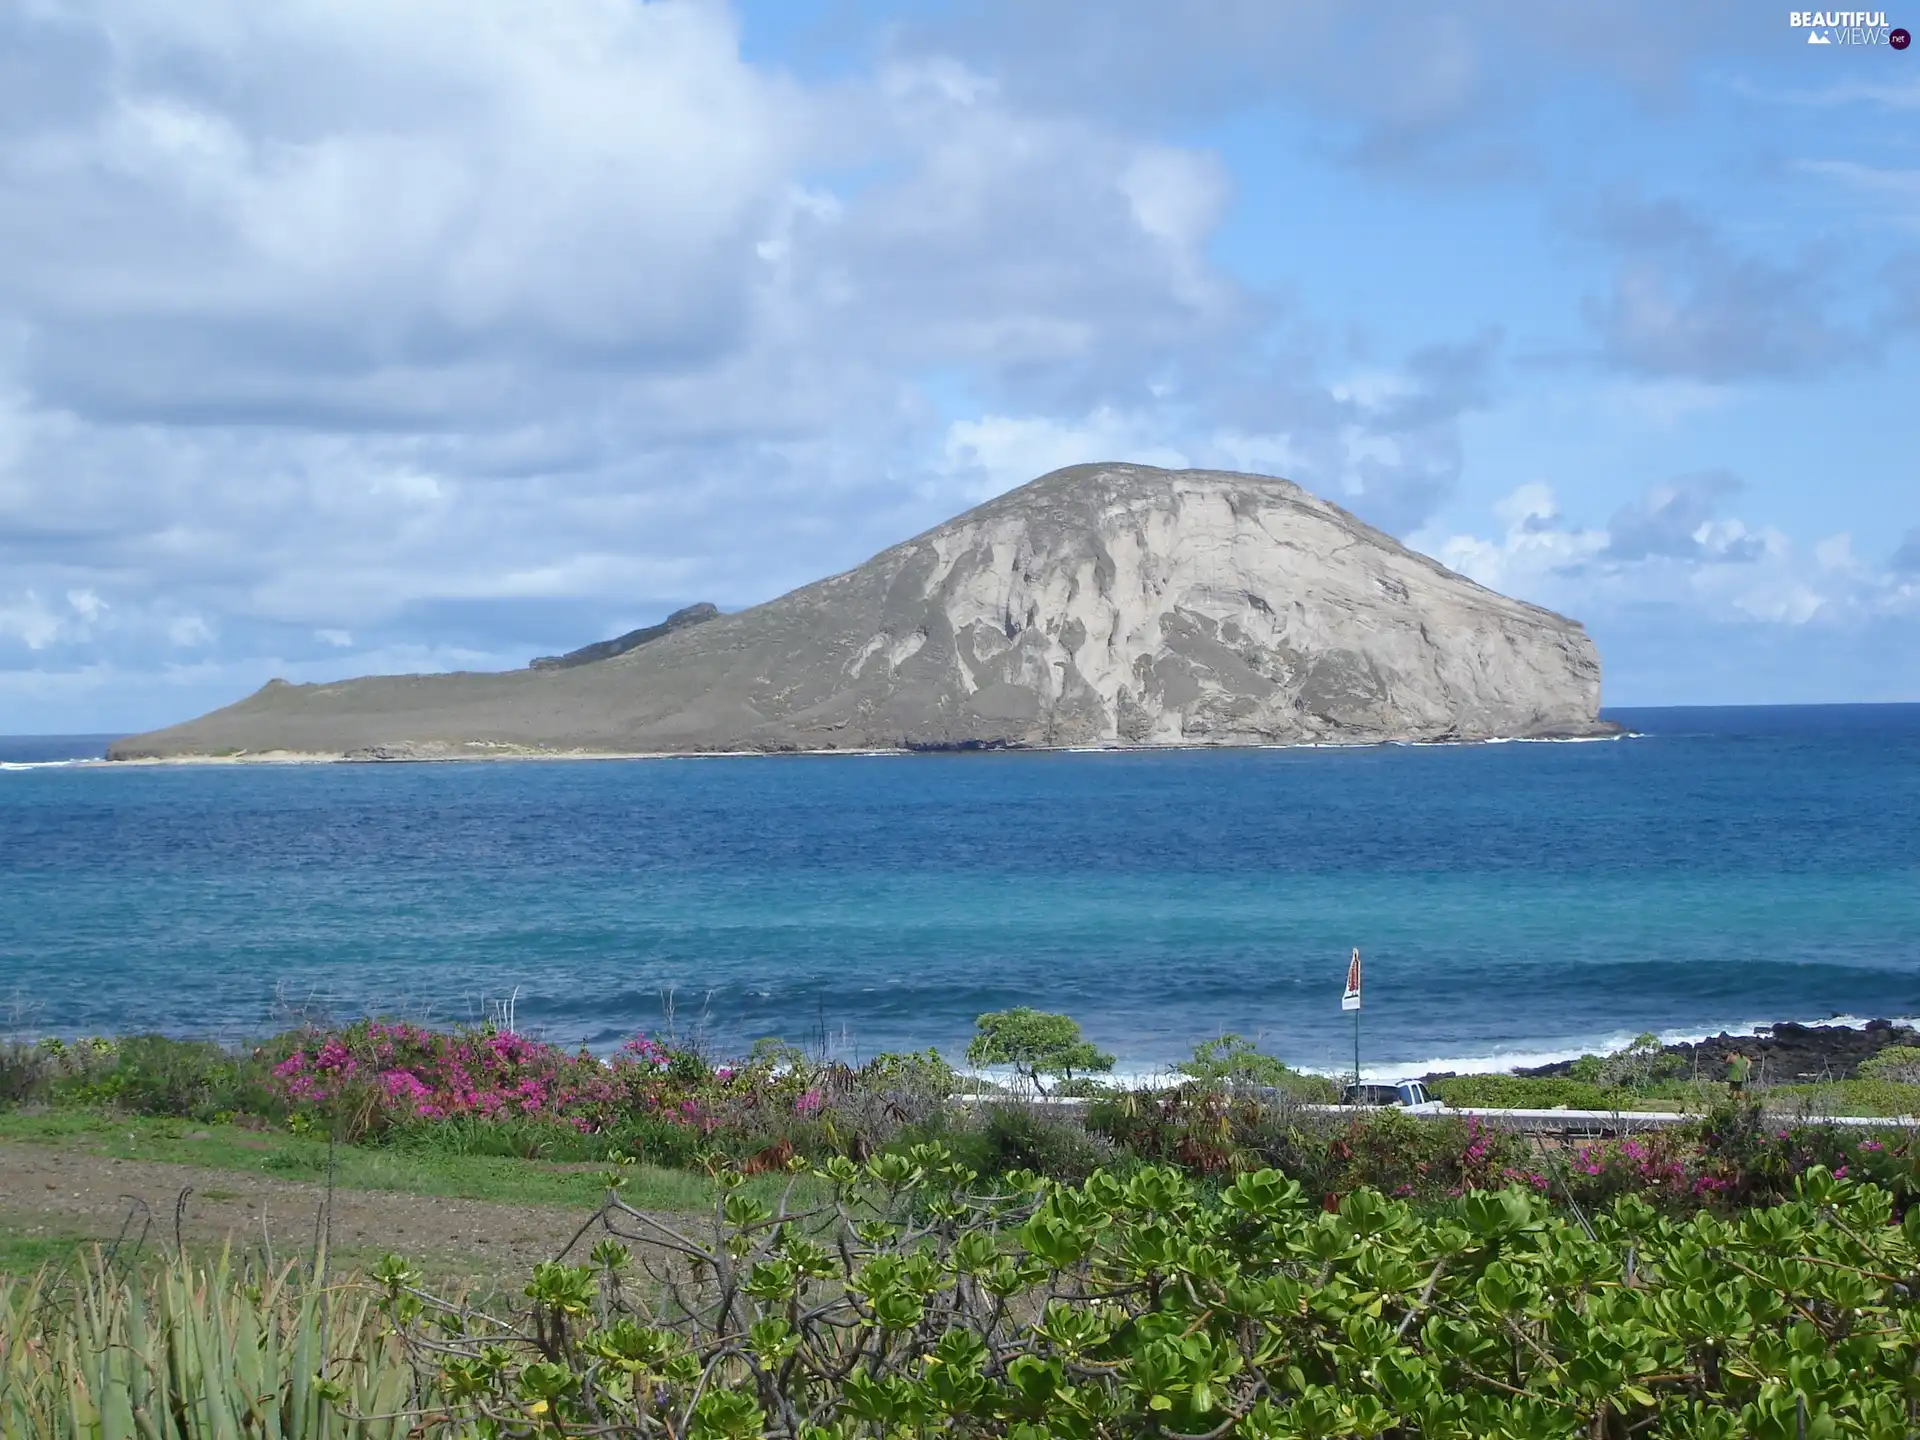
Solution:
(1512, 902)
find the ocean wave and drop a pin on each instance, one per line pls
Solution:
(1487, 740)
(1536, 739)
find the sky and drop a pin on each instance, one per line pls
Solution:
(390, 335)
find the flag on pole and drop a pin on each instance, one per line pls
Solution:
(1351, 1000)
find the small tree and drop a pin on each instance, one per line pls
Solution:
(1641, 1063)
(1232, 1060)
(1898, 1063)
(1036, 1044)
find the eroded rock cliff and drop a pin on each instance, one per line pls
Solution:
(1099, 605)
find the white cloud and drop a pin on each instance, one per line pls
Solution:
(403, 177)
(1177, 195)
(189, 632)
(1836, 552)
(1664, 404)
(441, 331)
(1784, 602)
(353, 336)
(1531, 507)
(1534, 548)
(1702, 569)
(31, 621)
(997, 452)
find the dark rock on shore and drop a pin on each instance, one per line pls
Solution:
(633, 639)
(1783, 1054)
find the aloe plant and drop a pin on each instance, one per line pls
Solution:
(188, 1352)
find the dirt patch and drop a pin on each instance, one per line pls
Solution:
(66, 1194)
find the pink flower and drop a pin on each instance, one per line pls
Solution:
(403, 1085)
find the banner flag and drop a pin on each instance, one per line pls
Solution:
(1351, 1000)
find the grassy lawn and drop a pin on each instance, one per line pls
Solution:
(26, 1254)
(1554, 1092)
(1844, 1097)
(415, 1171)
(69, 1256)
(1521, 1092)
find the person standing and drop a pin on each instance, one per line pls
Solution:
(1739, 1071)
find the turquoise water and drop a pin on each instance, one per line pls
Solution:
(1723, 868)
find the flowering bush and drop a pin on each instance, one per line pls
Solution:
(491, 1092)
(1210, 1130)
(374, 1075)
(1664, 1168)
(649, 1098)
(1760, 1157)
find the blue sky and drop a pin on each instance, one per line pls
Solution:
(367, 336)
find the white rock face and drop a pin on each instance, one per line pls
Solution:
(1099, 605)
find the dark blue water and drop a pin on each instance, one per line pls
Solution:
(1728, 867)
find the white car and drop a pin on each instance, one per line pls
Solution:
(1408, 1095)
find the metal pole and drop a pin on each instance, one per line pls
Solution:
(1356, 1045)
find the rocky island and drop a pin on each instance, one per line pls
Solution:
(1101, 605)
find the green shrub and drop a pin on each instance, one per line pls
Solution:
(1866, 1096)
(1898, 1063)
(1036, 1044)
(1084, 1087)
(1232, 1060)
(193, 1079)
(1008, 1136)
(1524, 1092)
(1216, 1133)
(1556, 1092)
(1643, 1062)
(920, 1303)
(33, 1073)
(1588, 1069)
(514, 1138)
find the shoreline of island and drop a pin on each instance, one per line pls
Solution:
(395, 755)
